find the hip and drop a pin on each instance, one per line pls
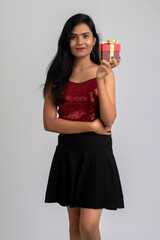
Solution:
(84, 141)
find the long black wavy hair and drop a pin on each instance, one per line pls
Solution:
(60, 68)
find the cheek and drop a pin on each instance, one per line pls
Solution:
(89, 42)
(70, 45)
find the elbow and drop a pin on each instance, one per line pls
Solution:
(47, 125)
(50, 124)
(108, 124)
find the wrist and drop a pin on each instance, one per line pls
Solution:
(91, 126)
(102, 80)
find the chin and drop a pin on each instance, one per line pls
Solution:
(80, 54)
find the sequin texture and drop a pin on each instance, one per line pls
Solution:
(82, 101)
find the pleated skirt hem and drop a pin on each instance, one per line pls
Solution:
(85, 205)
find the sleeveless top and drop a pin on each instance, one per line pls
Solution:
(82, 101)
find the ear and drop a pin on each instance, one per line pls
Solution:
(94, 41)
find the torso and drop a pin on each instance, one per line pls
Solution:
(81, 95)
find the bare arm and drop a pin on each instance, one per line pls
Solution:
(67, 126)
(53, 124)
(106, 90)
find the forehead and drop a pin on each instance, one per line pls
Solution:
(81, 28)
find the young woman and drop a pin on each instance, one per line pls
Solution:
(83, 174)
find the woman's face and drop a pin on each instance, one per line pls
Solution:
(81, 37)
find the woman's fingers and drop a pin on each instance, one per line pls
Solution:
(106, 64)
(115, 62)
(108, 133)
(109, 65)
(108, 129)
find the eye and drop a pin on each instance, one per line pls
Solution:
(85, 35)
(72, 37)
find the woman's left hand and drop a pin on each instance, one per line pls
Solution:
(105, 68)
(115, 62)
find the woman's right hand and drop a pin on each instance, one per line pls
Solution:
(99, 128)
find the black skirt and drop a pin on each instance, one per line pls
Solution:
(84, 173)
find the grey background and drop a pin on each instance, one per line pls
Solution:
(29, 35)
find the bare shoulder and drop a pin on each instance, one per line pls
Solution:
(93, 70)
(94, 66)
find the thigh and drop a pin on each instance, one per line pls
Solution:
(89, 219)
(74, 215)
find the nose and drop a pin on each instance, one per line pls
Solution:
(79, 40)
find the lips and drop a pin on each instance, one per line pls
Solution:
(80, 48)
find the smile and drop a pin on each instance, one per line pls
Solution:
(80, 49)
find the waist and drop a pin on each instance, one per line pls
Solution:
(84, 141)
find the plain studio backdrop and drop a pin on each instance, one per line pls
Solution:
(29, 37)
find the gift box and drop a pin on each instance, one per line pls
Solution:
(109, 49)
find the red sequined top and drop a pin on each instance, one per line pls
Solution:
(82, 101)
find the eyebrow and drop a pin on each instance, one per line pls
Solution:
(79, 34)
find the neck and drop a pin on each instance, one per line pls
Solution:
(79, 64)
